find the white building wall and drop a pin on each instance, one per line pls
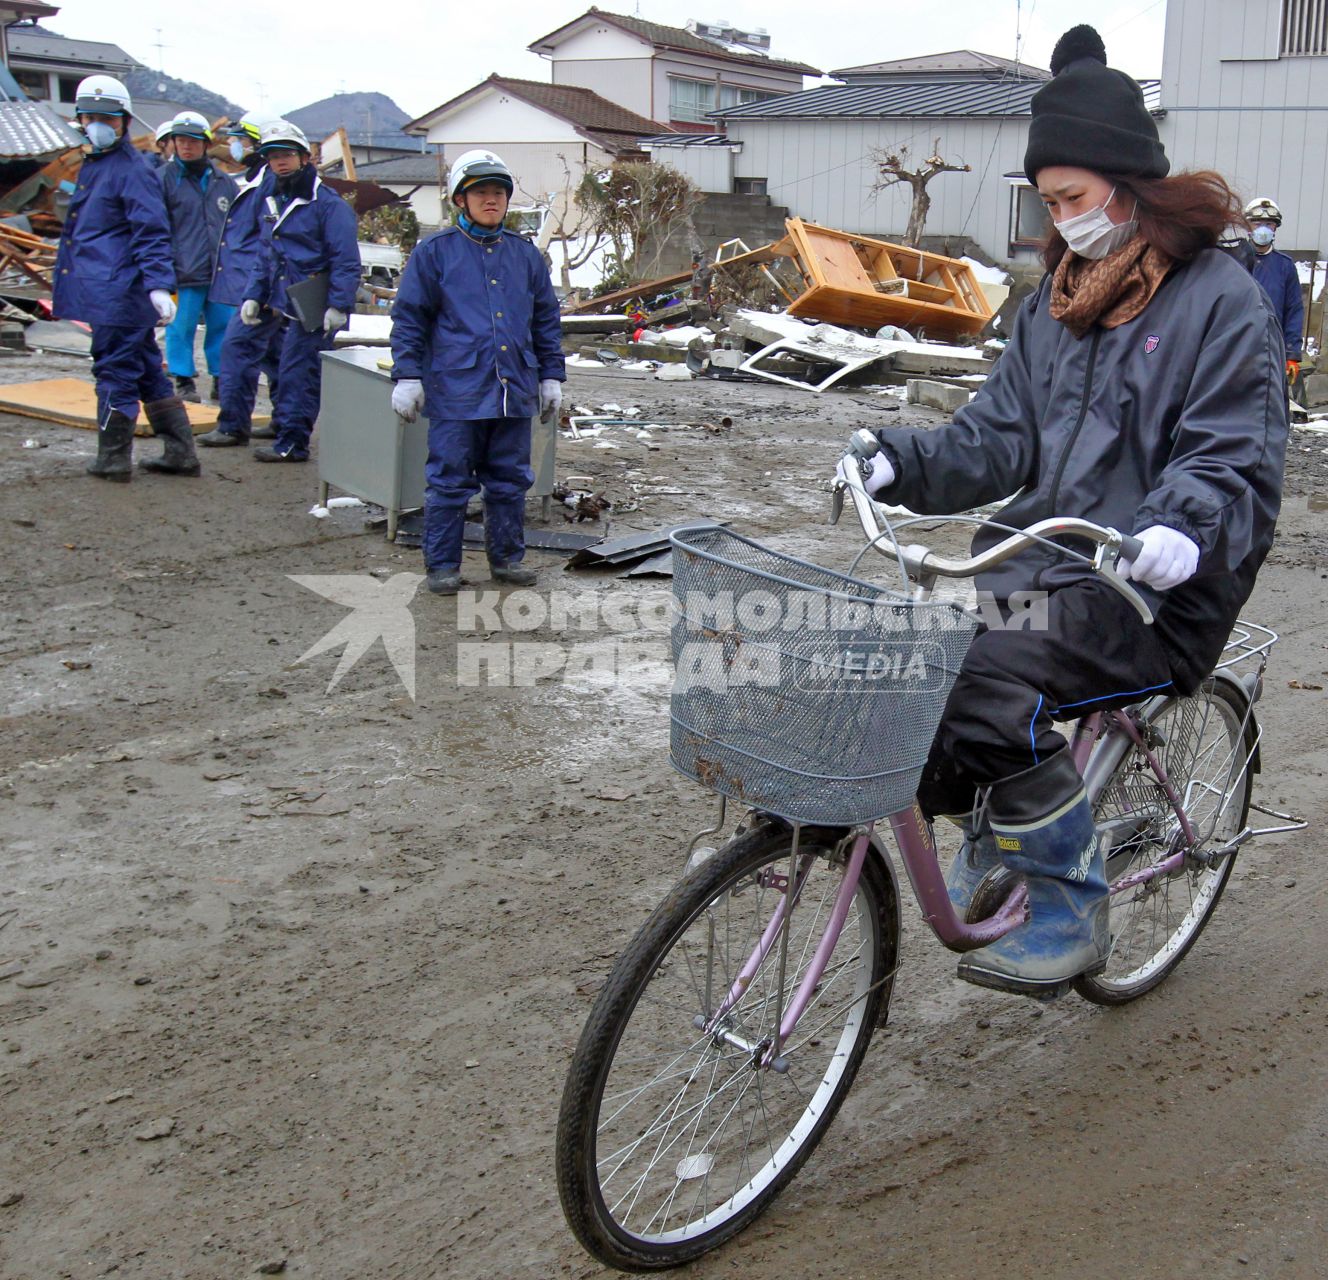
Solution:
(538, 167)
(1234, 105)
(696, 67)
(823, 171)
(500, 118)
(711, 168)
(625, 82)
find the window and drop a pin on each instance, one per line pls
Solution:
(1029, 220)
(749, 186)
(690, 100)
(732, 96)
(1304, 27)
(36, 84)
(69, 88)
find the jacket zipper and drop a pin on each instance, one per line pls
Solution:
(1078, 426)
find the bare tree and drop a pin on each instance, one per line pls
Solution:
(891, 167)
(572, 229)
(640, 207)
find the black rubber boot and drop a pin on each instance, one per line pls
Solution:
(115, 448)
(514, 575)
(187, 389)
(215, 397)
(169, 420)
(219, 439)
(444, 582)
(263, 433)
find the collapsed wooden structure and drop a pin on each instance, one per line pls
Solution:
(839, 278)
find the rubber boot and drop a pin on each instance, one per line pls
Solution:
(444, 582)
(976, 858)
(170, 420)
(1044, 830)
(514, 575)
(115, 449)
(215, 397)
(187, 389)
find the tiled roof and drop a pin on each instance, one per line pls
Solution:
(957, 62)
(908, 99)
(677, 38)
(31, 130)
(595, 118)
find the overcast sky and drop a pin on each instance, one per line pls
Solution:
(276, 57)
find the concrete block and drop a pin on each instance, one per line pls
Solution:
(937, 395)
(1316, 390)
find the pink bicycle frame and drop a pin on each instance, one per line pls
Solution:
(917, 849)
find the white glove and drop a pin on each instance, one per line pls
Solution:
(408, 399)
(333, 320)
(1168, 558)
(882, 473)
(249, 310)
(551, 398)
(163, 304)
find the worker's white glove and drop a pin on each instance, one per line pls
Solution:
(1168, 558)
(163, 304)
(408, 399)
(551, 398)
(249, 310)
(333, 320)
(882, 473)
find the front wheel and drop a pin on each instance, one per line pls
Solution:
(672, 1137)
(1206, 744)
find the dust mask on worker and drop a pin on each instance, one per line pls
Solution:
(237, 150)
(100, 135)
(1093, 234)
(1263, 236)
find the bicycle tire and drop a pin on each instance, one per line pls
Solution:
(1204, 737)
(622, 1017)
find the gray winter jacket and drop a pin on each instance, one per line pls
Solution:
(1178, 417)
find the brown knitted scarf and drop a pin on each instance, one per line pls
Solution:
(1108, 291)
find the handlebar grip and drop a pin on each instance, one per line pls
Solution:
(1131, 548)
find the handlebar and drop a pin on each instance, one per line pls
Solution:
(924, 565)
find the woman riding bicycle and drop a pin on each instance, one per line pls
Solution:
(1143, 387)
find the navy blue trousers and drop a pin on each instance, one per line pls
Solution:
(126, 365)
(299, 384)
(247, 351)
(466, 456)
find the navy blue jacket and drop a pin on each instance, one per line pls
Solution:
(1177, 417)
(1277, 273)
(116, 243)
(197, 208)
(302, 237)
(240, 238)
(478, 324)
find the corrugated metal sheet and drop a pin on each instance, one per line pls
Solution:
(687, 140)
(32, 131)
(908, 99)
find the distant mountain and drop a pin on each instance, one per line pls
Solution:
(143, 82)
(367, 117)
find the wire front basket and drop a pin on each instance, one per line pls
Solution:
(801, 691)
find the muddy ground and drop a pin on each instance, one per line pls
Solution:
(291, 976)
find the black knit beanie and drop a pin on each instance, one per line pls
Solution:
(1090, 116)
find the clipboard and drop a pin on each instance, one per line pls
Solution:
(308, 300)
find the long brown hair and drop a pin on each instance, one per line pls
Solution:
(1179, 215)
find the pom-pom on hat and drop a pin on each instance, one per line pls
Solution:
(1091, 116)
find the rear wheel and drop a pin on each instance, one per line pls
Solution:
(672, 1137)
(1205, 743)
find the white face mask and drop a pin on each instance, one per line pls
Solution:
(1093, 234)
(100, 135)
(1263, 236)
(238, 151)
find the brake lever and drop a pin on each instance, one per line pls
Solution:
(1106, 570)
(836, 500)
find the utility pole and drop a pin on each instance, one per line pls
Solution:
(161, 56)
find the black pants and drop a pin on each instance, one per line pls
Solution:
(1093, 653)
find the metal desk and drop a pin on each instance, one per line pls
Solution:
(366, 450)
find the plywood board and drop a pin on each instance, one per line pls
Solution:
(73, 403)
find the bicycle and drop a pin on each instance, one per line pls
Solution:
(731, 1027)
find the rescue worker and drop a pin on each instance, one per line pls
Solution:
(247, 350)
(1142, 388)
(477, 344)
(165, 151)
(309, 230)
(198, 195)
(114, 271)
(1281, 282)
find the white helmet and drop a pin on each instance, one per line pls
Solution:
(477, 166)
(163, 131)
(189, 124)
(1263, 209)
(283, 134)
(102, 96)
